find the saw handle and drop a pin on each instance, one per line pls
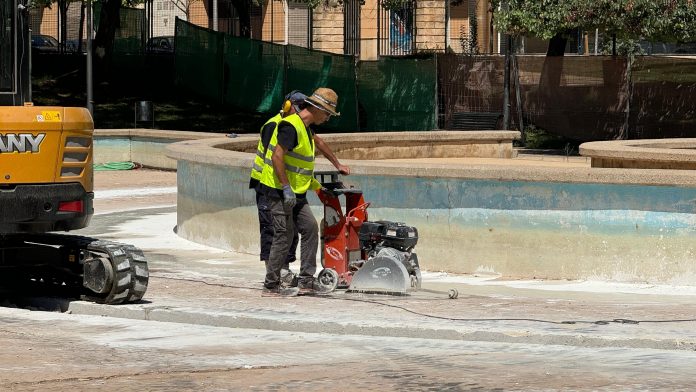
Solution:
(362, 207)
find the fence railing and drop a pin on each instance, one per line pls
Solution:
(580, 97)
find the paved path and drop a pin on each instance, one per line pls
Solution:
(204, 326)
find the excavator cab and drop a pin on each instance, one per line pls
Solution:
(46, 185)
(15, 53)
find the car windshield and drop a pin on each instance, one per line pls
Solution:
(161, 44)
(44, 40)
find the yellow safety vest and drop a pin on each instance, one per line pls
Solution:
(299, 163)
(257, 165)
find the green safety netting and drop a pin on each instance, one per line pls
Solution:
(398, 94)
(389, 94)
(199, 61)
(309, 69)
(254, 74)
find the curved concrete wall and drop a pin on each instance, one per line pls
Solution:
(144, 146)
(643, 154)
(580, 223)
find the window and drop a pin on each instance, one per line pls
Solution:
(351, 27)
(400, 29)
(396, 28)
(299, 19)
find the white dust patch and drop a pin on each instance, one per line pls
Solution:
(133, 192)
(590, 286)
(128, 208)
(157, 232)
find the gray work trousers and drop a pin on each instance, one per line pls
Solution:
(284, 222)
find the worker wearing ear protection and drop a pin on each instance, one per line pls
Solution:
(286, 178)
(292, 103)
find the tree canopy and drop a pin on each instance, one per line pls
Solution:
(664, 20)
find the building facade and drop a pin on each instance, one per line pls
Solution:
(356, 27)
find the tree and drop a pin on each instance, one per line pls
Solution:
(666, 20)
(185, 6)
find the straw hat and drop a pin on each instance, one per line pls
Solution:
(325, 99)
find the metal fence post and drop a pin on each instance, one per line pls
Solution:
(356, 63)
(518, 94)
(286, 67)
(506, 86)
(437, 94)
(629, 87)
(90, 86)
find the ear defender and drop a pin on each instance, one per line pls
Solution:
(287, 105)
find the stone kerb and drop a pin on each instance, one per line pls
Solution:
(642, 154)
(622, 225)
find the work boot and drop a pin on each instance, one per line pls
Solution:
(280, 291)
(288, 278)
(312, 286)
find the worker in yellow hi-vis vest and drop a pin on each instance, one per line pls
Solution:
(293, 103)
(287, 175)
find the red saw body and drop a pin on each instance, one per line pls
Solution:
(360, 255)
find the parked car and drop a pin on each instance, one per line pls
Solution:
(44, 43)
(72, 44)
(163, 44)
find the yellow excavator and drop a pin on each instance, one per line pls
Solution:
(46, 185)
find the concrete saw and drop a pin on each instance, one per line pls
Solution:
(359, 254)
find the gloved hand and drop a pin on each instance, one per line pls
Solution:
(288, 196)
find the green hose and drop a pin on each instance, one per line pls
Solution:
(115, 166)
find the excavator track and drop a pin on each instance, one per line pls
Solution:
(105, 271)
(130, 270)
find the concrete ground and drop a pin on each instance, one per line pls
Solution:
(205, 326)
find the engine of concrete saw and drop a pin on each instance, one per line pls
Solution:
(360, 255)
(385, 234)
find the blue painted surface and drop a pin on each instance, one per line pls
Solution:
(605, 222)
(411, 192)
(522, 229)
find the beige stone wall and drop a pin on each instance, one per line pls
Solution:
(459, 27)
(273, 25)
(368, 30)
(45, 21)
(198, 14)
(483, 19)
(328, 28)
(430, 25)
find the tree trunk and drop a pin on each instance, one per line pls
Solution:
(553, 63)
(557, 45)
(63, 10)
(109, 21)
(550, 94)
